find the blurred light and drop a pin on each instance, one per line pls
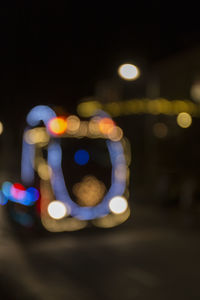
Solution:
(115, 134)
(27, 162)
(81, 157)
(6, 188)
(184, 120)
(73, 124)
(1, 128)
(57, 210)
(32, 195)
(160, 130)
(121, 172)
(83, 129)
(36, 135)
(87, 109)
(195, 91)
(106, 125)
(93, 126)
(90, 191)
(18, 191)
(57, 125)
(128, 72)
(118, 205)
(112, 220)
(3, 199)
(44, 171)
(40, 113)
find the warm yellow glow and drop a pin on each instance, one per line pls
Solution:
(1, 127)
(106, 125)
(57, 125)
(89, 191)
(87, 109)
(160, 130)
(36, 135)
(184, 120)
(73, 124)
(44, 171)
(115, 134)
(112, 220)
(118, 205)
(128, 72)
(57, 210)
(93, 126)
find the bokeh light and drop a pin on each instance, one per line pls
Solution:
(160, 130)
(115, 134)
(128, 72)
(57, 125)
(89, 191)
(118, 205)
(36, 135)
(57, 210)
(73, 124)
(184, 120)
(44, 171)
(106, 125)
(81, 157)
(18, 191)
(1, 128)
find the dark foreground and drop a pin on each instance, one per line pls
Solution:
(154, 255)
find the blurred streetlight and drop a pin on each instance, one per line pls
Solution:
(128, 72)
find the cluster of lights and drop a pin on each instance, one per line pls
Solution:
(140, 106)
(53, 185)
(18, 193)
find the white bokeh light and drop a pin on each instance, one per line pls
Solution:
(57, 210)
(128, 72)
(118, 205)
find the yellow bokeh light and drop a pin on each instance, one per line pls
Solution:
(73, 124)
(128, 72)
(44, 171)
(115, 134)
(184, 120)
(36, 135)
(1, 127)
(118, 205)
(57, 125)
(57, 210)
(87, 109)
(89, 191)
(106, 125)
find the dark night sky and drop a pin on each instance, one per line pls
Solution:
(54, 54)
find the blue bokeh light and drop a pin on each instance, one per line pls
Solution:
(81, 157)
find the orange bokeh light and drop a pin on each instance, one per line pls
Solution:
(57, 125)
(106, 125)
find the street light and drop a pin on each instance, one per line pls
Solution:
(128, 72)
